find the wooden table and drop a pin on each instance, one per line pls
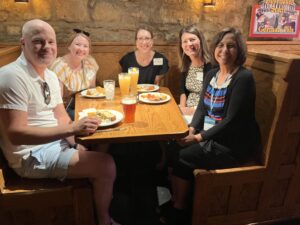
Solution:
(152, 121)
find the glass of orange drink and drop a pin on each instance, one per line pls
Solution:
(124, 83)
(134, 76)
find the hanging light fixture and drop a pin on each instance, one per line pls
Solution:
(25, 1)
(209, 3)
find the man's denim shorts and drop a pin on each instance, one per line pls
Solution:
(48, 161)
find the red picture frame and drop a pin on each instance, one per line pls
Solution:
(274, 24)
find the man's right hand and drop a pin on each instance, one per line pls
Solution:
(85, 126)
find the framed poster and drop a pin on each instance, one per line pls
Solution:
(274, 22)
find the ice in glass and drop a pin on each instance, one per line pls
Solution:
(109, 89)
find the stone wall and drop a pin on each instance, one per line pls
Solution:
(116, 20)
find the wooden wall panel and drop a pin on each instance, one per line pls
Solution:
(9, 54)
(282, 46)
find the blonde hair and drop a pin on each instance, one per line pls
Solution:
(75, 35)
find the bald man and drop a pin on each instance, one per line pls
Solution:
(38, 140)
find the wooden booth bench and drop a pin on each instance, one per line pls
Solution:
(43, 201)
(268, 189)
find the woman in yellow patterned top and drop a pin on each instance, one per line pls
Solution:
(77, 69)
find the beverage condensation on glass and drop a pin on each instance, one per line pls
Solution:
(109, 89)
(134, 77)
(129, 106)
(124, 83)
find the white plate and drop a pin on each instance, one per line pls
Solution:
(147, 87)
(98, 95)
(119, 116)
(143, 97)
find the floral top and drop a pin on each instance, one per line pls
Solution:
(193, 83)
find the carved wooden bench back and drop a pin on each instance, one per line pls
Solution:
(270, 91)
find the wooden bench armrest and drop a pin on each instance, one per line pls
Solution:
(230, 175)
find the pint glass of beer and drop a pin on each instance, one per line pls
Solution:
(129, 106)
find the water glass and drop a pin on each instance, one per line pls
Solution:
(109, 89)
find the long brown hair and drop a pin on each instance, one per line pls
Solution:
(185, 61)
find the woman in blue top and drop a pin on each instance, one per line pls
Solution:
(152, 65)
(223, 131)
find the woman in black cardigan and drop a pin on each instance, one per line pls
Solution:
(223, 131)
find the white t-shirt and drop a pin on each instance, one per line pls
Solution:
(21, 89)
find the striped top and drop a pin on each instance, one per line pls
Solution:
(75, 80)
(214, 98)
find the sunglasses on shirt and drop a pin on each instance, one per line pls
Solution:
(78, 31)
(46, 92)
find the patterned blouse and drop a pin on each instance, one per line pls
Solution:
(193, 83)
(74, 81)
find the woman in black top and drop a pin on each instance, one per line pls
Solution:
(152, 65)
(223, 131)
(194, 64)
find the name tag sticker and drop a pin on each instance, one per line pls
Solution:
(208, 122)
(158, 61)
(199, 76)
